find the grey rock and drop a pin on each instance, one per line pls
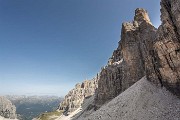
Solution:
(7, 109)
(76, 96)
(127, 64)
(167, 46)
(142, 51)
(141, 101)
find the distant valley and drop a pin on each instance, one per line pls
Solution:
(29, 107)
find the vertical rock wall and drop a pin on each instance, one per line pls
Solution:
(142, 50)
(127, 64)
(167, 46)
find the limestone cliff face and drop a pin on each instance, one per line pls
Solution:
(167, 46)
(76, 96)
(143, 50)
(127, 64)
(7, 109)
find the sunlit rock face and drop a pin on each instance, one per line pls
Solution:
(76, 96)
(167, 46)
(127, 64)
(141, 15)
(142, 51)
(7, 109)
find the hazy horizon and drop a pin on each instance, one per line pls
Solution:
(47, 46)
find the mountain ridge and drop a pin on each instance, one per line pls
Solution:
(142, 51)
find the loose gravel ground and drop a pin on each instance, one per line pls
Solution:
(142, 101)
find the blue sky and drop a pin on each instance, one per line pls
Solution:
(47, 46)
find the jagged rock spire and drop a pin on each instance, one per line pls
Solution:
(127, 64)
(141, 15)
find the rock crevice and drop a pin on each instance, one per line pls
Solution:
(167, 46)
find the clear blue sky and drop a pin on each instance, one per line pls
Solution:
(47, 46)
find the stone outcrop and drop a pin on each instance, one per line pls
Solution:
(127, 64)
(144, 50)
(167, 46)
(76, 96)
(7, 109)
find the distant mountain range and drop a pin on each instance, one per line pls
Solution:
(28, 107)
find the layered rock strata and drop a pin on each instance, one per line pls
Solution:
(76, 96)
(142, 51)
(7, 109)
(127, 64)
(167, 46)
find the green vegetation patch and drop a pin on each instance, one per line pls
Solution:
(48, 115)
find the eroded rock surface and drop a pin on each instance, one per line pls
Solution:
(127, 64)
(76, 96)
(142, 51)
(167, 46)
(7, 109)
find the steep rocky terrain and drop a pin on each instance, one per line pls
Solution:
(127, 64)
(142, 101)
(166, 46)
(7, 109)
(76, 96)
(142, 51)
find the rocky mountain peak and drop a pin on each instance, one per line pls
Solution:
(130, 61)
(142, 51)
(141, 15)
